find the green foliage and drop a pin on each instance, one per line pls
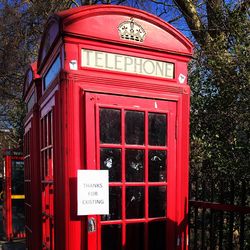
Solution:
(21, 26)
(220, 118)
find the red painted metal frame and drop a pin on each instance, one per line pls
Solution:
(9, 156)
(65, 34)
(32, 180)
(93, 103)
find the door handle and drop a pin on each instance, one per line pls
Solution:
(91, 225)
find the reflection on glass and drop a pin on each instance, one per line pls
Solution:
(111, 237)
(135, 236)
(110, 126)
(111, 161)
(52, 72)
(157, 235)
(18, 219)
(134, 202)
(157, 201)
(157, 129)
(134, 165)
(157, 165)
(134, 124)
(115, 204)
(17, 177)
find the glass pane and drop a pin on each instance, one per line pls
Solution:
(135, 236)
(157, 129)
(18, 218)
(52, 72)
(110, 126)
(17, 177)
(134, 202)
(134, 124)
(157, 201)
(112, 237)
(157, 235)
(157, 165)
(111, 161)
(134, 165)
(115, 204)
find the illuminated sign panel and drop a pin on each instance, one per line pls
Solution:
(127, 64)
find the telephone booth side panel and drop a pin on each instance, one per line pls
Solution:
(182, 186)
(32, 93)
(66, 164)
(32, 180)
(27, 183)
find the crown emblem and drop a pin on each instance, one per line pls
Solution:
(130, 30)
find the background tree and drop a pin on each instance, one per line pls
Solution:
(220, 82)
(21, 26)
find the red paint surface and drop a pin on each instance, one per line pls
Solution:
(73, 99)
(9, 232)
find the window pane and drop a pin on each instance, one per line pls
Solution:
(134, 165)
(18, 218)
(157, 129)
(134, 202)
(115, 202)
(157, 235)
(135, 236)
(110, 126)
(111, 161)
(134, 123)
(157, 165)
(17, 177)
(52, 72)
(112, 237)
(157, 201)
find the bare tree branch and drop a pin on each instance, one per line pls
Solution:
(193, 20)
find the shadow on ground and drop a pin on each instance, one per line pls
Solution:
(14, 245)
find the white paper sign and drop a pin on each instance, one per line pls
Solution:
(92, 192)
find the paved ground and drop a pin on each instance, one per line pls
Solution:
(16, 245)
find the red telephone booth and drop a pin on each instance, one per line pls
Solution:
(114, 97)
(13, 195)
(32, 179)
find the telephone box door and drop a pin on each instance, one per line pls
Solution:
(134, 139)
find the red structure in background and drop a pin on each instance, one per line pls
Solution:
(111, 94)
(32, 179)
(13, 195)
